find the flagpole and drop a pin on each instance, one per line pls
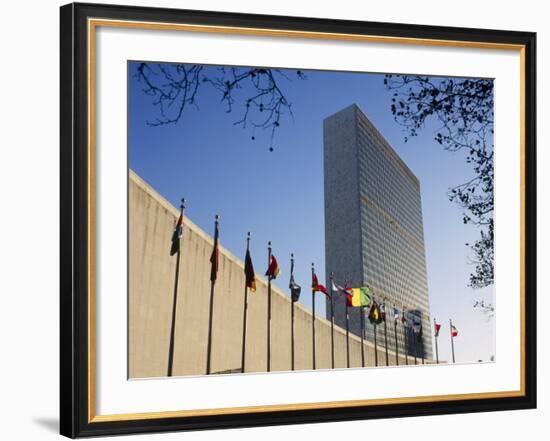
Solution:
(268, 309)
(375, 346)
(405, 347)
(332, 319)
(347, 333)
(421, 338)
(362, 336)
(404, 326)
(436, 337)
(174, 303)
(415, 343)
(395, 335)
(386, 335)
(211, 311)
(374, 331)
(245, 311)
(452, 339)
(291, 315)
(313, 318)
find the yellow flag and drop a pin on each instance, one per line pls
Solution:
(360, 297)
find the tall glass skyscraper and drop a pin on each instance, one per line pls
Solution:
(373, 230)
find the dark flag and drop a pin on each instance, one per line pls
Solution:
(417, 326)
(214, 258)
(176, 236)
(295, 289)
(382, 309)
(375, 317)
(249, 272)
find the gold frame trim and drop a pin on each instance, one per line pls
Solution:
(92, 25)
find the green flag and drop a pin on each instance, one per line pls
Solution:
(360, 296)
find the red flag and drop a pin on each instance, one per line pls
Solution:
(454, 331)
(273, 269)
(349, 297)
(316, 286)
(437, 328)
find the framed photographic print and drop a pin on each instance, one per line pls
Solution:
(274, 220)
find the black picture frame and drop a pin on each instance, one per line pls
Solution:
(75, 416)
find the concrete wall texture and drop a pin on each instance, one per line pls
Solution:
(150, 297)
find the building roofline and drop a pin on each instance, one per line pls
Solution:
(390, 150)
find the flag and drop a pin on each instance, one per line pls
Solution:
(437, 327)
(374, 314)
(178, 231)
(338, 288)
(295, 289)
(346, 291)
(454, 331)
(249, 272)
(404, 321)
(417, 326)
(273, 269)
(214, 257)
(360, 296)
(395, 314)
(382, 309)
(316, 286)
(349, 297)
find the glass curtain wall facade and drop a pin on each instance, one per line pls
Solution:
(374, 232)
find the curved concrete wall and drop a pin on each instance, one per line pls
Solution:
(151, 286)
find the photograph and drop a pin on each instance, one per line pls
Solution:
(284, 219)
(274, 220)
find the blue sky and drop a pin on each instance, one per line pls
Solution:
(278, 195)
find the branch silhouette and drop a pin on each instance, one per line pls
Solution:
(464, 109)
(256, 92)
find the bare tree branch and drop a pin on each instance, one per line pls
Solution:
(464, 108)
(257, 91)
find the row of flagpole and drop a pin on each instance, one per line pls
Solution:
(355, 297)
